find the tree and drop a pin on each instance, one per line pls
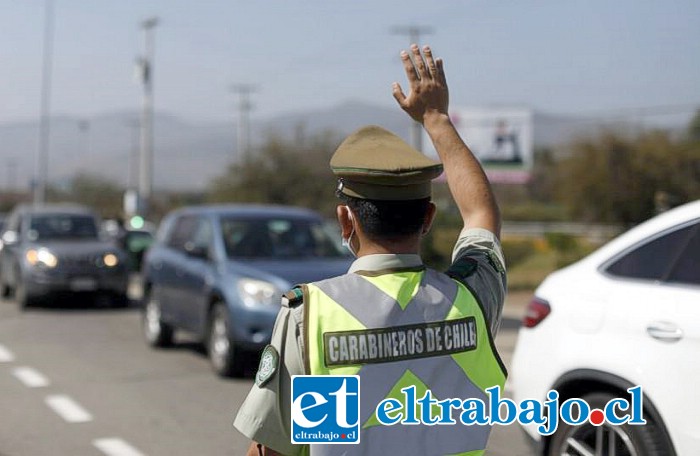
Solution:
(97, 192)
(694, 127)
(283, 172)
(615, 179)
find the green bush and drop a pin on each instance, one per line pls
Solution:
(562, 242)
(565, 258)
(517, 251)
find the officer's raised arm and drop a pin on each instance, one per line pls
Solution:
(427, 103)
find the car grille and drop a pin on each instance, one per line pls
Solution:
(80, 263)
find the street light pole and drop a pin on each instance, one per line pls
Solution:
(146, 159)
(84, 128)
(414, 32)
(133, 153)
(11, 175)
(42, 156)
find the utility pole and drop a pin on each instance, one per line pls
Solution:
(11, 175)
(414, 33)
(42, 156)
(133, 154)
(145, 187)
(244, 108)
(84, 128)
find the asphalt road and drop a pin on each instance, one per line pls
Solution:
(79, 380)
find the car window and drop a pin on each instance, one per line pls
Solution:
(202, 235)
(687, 268)
(62, 226)
(653, 260)
(277, 238)
(182, 231)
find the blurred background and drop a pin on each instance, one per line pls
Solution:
(178, 102)
(585, 114)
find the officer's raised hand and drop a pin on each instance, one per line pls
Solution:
(428, 86)
(427, 103)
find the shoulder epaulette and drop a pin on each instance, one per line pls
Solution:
(463, 268)
(293, 297)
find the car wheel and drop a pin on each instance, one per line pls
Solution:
(624, 440)
(21, 295)
(5, 290)
(222, 351)
(156, 332)
(119, 300)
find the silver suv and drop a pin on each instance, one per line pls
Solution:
(50, 249)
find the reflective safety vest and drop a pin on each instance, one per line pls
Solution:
(397, 329)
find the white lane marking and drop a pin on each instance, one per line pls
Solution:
(114, 446)
(30, 377)
(6, 356)
(68, 409)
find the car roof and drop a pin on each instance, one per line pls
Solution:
(249, 210)
(53, 208)
(647, 230)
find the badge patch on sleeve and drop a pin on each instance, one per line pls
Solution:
(269, 360)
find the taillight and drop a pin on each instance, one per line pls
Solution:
(537, 310)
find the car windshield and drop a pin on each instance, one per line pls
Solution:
(278, 237)
(62, 226)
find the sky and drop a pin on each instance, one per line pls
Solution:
(572, 56)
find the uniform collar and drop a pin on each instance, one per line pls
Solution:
(382, 261)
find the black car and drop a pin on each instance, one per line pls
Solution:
(49, 249)
(219, 272)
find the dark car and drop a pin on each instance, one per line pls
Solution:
(219, 272)
(58, 248)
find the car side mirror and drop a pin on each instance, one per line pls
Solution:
(197, 251)
(10, 238)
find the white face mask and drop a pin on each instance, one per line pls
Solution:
(347, 242)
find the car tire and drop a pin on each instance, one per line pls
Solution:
(119, 300)
(223, 354)
(156, 332)
(24, 301)
(628, 440)
(5, 290)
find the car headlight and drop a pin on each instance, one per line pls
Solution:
(110, 260)
(258, 292)
(41, 257)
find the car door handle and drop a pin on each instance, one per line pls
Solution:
(664, 331)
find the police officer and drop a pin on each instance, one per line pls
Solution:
(441, 325)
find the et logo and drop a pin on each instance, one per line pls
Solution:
(325, 409)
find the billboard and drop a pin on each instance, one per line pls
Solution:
(500, 137)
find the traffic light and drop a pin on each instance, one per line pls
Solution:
(136, 222)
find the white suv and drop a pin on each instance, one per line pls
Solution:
(626, 315)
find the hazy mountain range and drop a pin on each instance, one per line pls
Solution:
(189, 154)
